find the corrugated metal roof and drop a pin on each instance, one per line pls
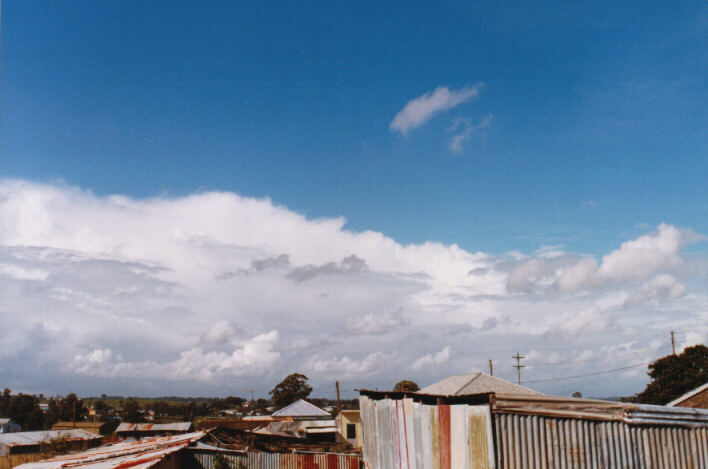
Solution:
(140, 454)
(70, 425)
(568, 407)
(476, 383)
(688, 395)
(35, 438)
(154, 427)
(301, 408)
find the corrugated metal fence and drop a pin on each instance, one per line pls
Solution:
(405, 434)
(252, 460)
(402, 434)
(535, 442)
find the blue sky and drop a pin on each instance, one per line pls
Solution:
(235, 191)
(598, 111)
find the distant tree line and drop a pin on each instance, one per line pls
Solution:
(24, 409)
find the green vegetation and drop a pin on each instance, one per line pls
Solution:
(294, 387)
(406, 385)
(674, 375)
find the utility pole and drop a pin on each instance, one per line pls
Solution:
(491, 369)
(339, 402)
(673, 344)
(518, 365)
(251, 391)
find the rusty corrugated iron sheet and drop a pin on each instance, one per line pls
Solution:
(528, 432)
(253, 460)
(404, 434)
(140, 454)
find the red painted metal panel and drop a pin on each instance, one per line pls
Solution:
(444, 436)
(332, 462)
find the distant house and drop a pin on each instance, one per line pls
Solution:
(310, 421)
(8, 426)
(476, 383)
(349, 427)
(301, 410)
(140, 430)
(697, 399)
(21, 447)
(99, 428)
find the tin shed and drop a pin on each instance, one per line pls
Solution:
(497, 431)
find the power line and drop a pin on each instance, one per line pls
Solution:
(587, 374)
(588, 360)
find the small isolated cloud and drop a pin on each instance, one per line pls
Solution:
(419, 110)
(465, 130)
(432, 359)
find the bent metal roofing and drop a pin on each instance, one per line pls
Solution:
(140, 454)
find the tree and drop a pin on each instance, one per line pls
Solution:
(406, 385)
(292, 388)
(675, 375)
(71, 408)
(24, 411)
(5, 402)
(131, 411)
(578, 394)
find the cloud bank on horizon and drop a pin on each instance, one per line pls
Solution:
(215, 293)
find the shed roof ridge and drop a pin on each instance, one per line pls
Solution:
(474, 376)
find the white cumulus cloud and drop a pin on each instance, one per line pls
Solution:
(216, 293)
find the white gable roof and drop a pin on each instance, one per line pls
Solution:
(301, 408)
(475, 383)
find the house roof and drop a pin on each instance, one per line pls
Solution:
(301, 408)
(83, 424)
(140, 454)
(476, 383)
(4, 421)
(688, 395)
(35, 438)
(154, 427)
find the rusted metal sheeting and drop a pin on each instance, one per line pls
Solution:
(253, 460)
(133, 454)
(404, 434)
(538, 442)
